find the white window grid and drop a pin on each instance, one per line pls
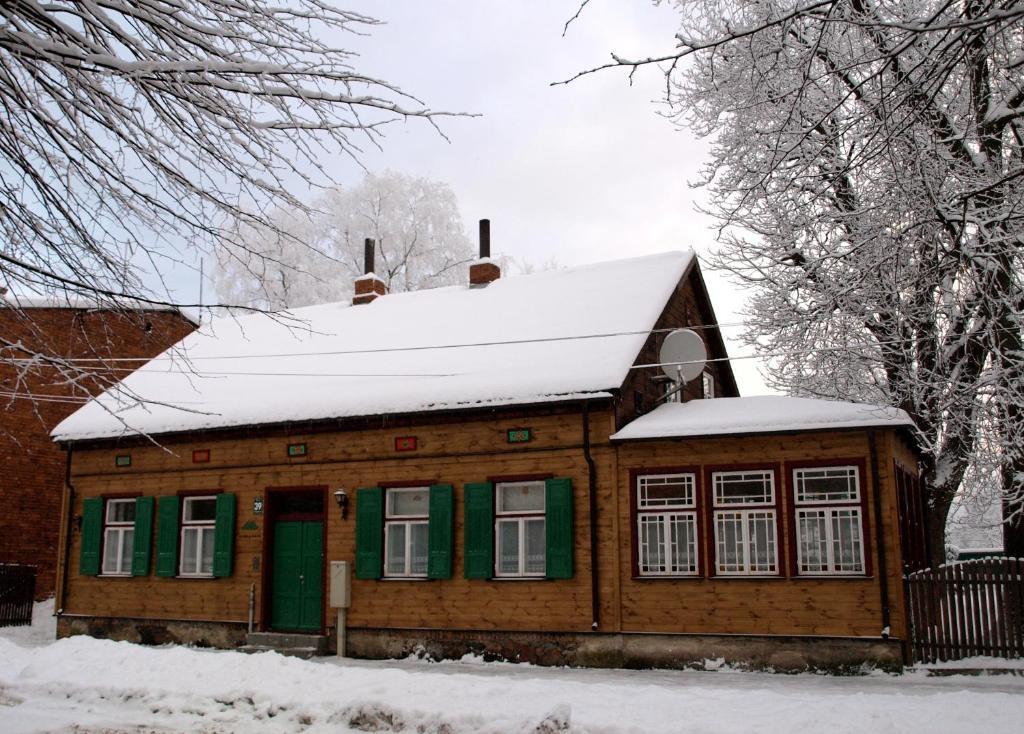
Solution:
(740, 557)
(830, 531)
(722, 479)
(708, 383)
(521, 520)
(118, 538)
(667, 544)
(204, 532)
(685, 481)
(404, 522)
(851, 474)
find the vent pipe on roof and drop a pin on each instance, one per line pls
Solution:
(368, 285)
(484, 270)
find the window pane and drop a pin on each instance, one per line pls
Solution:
(683, 547)
(761, 534)
(846, 544)
(521, 497)
(127, 538)
(111, 537)
(729, 531)
(406, 502)
(836, 484)
(189, 546)
(536, 555)
(652, 538)
(206, 557)
(120, 510)
(394, 562)
(418, 541)
(665, 490)
(508, 547)
(200, 509)
(812, 529)
(739, 488)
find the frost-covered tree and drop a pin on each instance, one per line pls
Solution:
(866, 173)
(133, 133)
(314, 257)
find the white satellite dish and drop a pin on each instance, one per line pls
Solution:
(683, 355)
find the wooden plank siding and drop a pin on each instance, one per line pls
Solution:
(472, 451)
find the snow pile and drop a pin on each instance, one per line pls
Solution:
(101, 685)
(42, 631)
(516, 340)
(760, 414)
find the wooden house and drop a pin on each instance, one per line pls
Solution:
(494, 463)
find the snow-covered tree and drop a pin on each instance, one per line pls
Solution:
(866, 171)
(133, 133)
(314, 257)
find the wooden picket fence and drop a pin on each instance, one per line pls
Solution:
(967, 609)
(17, 590)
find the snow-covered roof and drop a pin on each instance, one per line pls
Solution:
(22, 301)
(514, 341)
(758, 414)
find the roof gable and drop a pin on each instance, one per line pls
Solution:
(547, 336)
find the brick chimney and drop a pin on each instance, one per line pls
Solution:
(368, 285)
(484, 270)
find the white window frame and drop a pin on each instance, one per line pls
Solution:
(204, 528)
(663, 516)
(118, 529)
(392, 520)
(829, 509)
(746, 511)
(708, 384)
(520, 519)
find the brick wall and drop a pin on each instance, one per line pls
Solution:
(32, 479)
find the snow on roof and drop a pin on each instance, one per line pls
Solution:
(21, 301)
(759, 414)
(514, 341)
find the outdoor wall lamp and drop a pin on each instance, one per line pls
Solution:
(342, 499)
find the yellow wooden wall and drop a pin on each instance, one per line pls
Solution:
(470, 451)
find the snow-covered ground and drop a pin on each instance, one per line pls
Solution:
(85, 685)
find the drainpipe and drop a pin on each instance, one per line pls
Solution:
(69, 488)
(595, 598)
(883, 576)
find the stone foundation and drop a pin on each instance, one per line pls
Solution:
(782, 654)
(592, 650)
(155, 632)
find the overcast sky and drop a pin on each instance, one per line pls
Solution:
(578, 173)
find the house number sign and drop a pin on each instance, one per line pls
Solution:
(257, 506)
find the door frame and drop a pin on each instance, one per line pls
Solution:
(270, 519)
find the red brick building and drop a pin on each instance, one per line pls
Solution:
(33, 466)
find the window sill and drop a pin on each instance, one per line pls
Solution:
(114, 575)
(406, 578)
(669, 577)
(523, 578)
(195, 576)
(834, 576)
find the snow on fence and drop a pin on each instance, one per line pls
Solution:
(17, 590)
(966, 609)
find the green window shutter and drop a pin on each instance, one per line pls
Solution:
(439, 532)
(224, 535)
(558, 511)
(479, 531)
(92, 536)
(143, 537)
(369, 532)
(167, 509)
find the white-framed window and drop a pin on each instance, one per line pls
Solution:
(829, 521)
(406, 520)
(198, 518)
(666, 524)
(520, 529)
(745, 523)
(118, 537)
(708, 381)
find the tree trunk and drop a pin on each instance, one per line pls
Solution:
(935, 532)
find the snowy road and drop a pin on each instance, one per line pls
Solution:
(85, 685)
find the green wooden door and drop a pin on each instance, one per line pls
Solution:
(297, 576)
